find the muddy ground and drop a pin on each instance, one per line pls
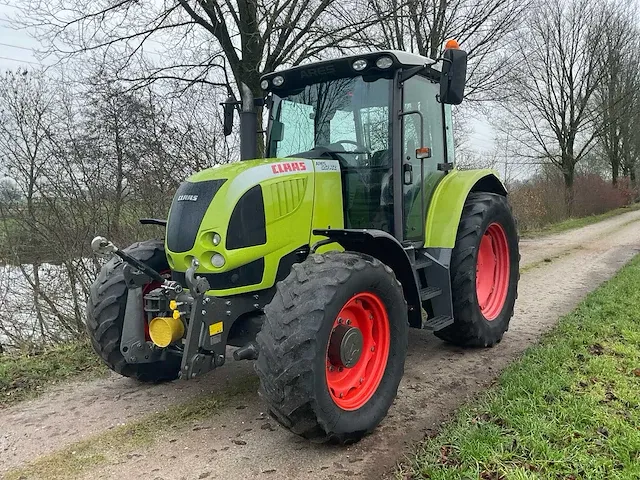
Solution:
(241, 441)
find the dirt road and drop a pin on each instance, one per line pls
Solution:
(241, 441)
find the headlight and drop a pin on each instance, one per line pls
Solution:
(264, 84)
(278, 80)
(359, 64)
(217, 260)
(384, 62)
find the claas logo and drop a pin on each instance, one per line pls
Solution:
(284, 167)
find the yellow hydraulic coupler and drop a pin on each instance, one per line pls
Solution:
(165, 330)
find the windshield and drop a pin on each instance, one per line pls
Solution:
(346, 119)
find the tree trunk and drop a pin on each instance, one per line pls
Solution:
(615, 172)
(36, 302)
(568, 175)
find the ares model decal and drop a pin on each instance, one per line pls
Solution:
(318, 71)
(327, 165)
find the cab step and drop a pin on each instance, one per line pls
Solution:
(422, 262)
(429, 293)
(437, 323)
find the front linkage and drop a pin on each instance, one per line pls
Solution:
(206, 330)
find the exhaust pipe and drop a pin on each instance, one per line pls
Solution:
(248, 125)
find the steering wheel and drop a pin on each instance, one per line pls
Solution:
(361, 148)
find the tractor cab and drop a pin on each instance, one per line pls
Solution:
(384, 116)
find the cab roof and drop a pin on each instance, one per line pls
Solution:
(342, 67)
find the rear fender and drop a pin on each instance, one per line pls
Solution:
(389, 251)
(445, 208)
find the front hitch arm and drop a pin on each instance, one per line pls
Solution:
(102, 246)
(195, 362)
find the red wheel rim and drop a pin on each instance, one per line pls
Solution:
(352, 387)
(492, 271)
(146, 289)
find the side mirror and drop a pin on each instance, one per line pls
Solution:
(228, 108)
(454, 76)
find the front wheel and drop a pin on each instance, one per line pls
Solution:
(484, 272)
(105, 315)
(333, 347)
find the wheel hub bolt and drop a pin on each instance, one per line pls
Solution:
(340, 369)
(340, 321)
(341, 395)
(348, 322)
(361, 380)
(331, 368)
(373, 349)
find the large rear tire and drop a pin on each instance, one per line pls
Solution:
(333, 346)
(105, 315)
(484, 272)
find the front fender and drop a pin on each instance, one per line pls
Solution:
(445, 208)
(389, 251)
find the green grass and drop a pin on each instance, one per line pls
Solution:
(573, 223)
(110, 445)
(569, 409)
(24, 375)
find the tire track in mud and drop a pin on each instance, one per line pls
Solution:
(242, 441)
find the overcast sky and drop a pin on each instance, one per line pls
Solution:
(16, 46)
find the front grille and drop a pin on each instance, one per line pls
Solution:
(287, 195)
(189, 205)
(245, 275)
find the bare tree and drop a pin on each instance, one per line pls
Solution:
(618, 92)
(26, 124)
(185, 40)
(82, 163)
(554, 80)
(482, 27)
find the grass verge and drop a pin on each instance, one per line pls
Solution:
(569, 409)
(25, 375)
(573, 223)
(77, 458)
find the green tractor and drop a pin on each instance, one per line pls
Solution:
(317, 259)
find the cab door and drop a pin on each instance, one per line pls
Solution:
(425, 128)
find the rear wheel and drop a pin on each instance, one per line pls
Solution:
(105, 315)
(333, 346)
(484, 272)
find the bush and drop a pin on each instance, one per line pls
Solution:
(541, 201)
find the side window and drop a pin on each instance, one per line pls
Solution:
(420, 94)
